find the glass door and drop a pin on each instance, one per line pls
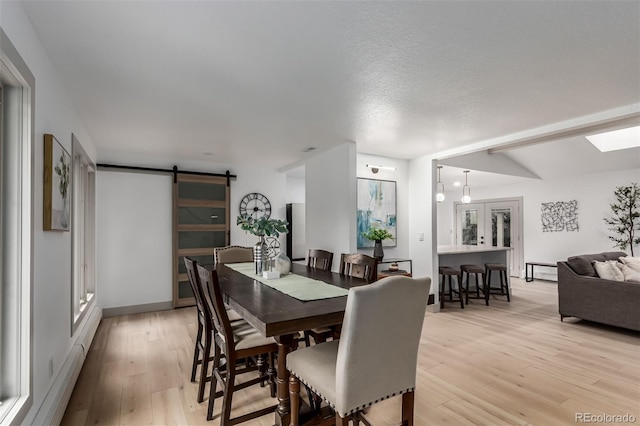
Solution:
(200, 223)
(470, 224)
(494, 224)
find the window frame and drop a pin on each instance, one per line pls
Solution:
(83, 234)
(17, 223)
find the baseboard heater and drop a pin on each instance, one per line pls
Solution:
(55, 403)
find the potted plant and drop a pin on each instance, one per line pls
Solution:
(377, 235)
(262, 227)
(626, 217)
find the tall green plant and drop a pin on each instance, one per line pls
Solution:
(625, 222)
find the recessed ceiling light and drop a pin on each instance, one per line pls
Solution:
(309, 149)
(456, 183)
(617, 139)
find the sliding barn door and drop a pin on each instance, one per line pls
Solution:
(200, 223)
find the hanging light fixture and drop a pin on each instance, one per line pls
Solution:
(439, 188)
(466, 191)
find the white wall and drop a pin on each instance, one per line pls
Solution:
(422, 208)
(401, 177)
(134, 238)
(330, 186)
(54, 114)
(295, 192)
(594, 194)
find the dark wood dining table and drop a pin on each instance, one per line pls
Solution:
(275, 314)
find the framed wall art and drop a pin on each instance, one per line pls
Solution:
(57, 185)
(376, 207)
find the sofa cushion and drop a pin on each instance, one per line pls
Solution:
(608, 270)
(614, 255)
(631, 262)
(583, 264)
(630, 275)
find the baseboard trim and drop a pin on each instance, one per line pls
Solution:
(137, 309)
(55, 403)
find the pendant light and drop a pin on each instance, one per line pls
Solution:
(439, 188)
(466, 191)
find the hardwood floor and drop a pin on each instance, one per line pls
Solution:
(506, 364)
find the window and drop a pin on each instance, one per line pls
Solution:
(16, 219)
(83, 231)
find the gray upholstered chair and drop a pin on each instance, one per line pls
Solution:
(357, 371)
(232, 254)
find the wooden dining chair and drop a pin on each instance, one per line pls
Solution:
(232, 254)
(202, 350)
(237, 343)
(357, 371)
(359, 265)
(320, 259)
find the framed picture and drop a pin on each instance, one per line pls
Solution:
(376, 207)
(57, 185)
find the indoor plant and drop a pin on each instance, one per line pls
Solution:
(377, 235)
(262, 227)
(625, 221)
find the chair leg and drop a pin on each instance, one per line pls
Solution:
(450, 288)
(271, 372)
(506, 285)
(294, 397)
(227, 398)
(196, 351)
(467, 285)
(214, 381)
(204, 368)
(342, 421)
(407, 408)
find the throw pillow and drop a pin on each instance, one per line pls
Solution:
(630, 274)
(631, 262)
(608, 270)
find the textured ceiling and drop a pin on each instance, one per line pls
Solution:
(248, 82)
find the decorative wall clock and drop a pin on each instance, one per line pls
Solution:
(255, 205)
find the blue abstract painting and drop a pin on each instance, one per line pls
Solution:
(376, 207)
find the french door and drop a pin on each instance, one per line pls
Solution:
(492, 224)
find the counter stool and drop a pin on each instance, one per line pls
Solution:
(447, 272)
(475, 270)
(504, 280)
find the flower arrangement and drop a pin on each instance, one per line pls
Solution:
(377, 234)
(263, 226)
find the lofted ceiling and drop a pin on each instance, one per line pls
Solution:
(254, 82)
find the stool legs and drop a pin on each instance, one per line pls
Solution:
(447, 279)
(504, 285)
(477, 283)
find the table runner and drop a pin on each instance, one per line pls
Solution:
(297, 286)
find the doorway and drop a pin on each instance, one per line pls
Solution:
(492, 223)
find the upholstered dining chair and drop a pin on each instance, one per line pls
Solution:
(357, 371)
(360, 266)
(232, 254)
(319, 259)
(236, 343)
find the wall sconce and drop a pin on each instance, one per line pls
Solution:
(376, 169)
(439, 188)
(466, 191)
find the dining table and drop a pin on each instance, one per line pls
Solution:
(281, 316)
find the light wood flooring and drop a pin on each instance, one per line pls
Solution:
(506, 364)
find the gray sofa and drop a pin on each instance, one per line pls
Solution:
(582, 294)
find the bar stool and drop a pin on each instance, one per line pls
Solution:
(475, 270)
(447, 272)
(504, 280)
